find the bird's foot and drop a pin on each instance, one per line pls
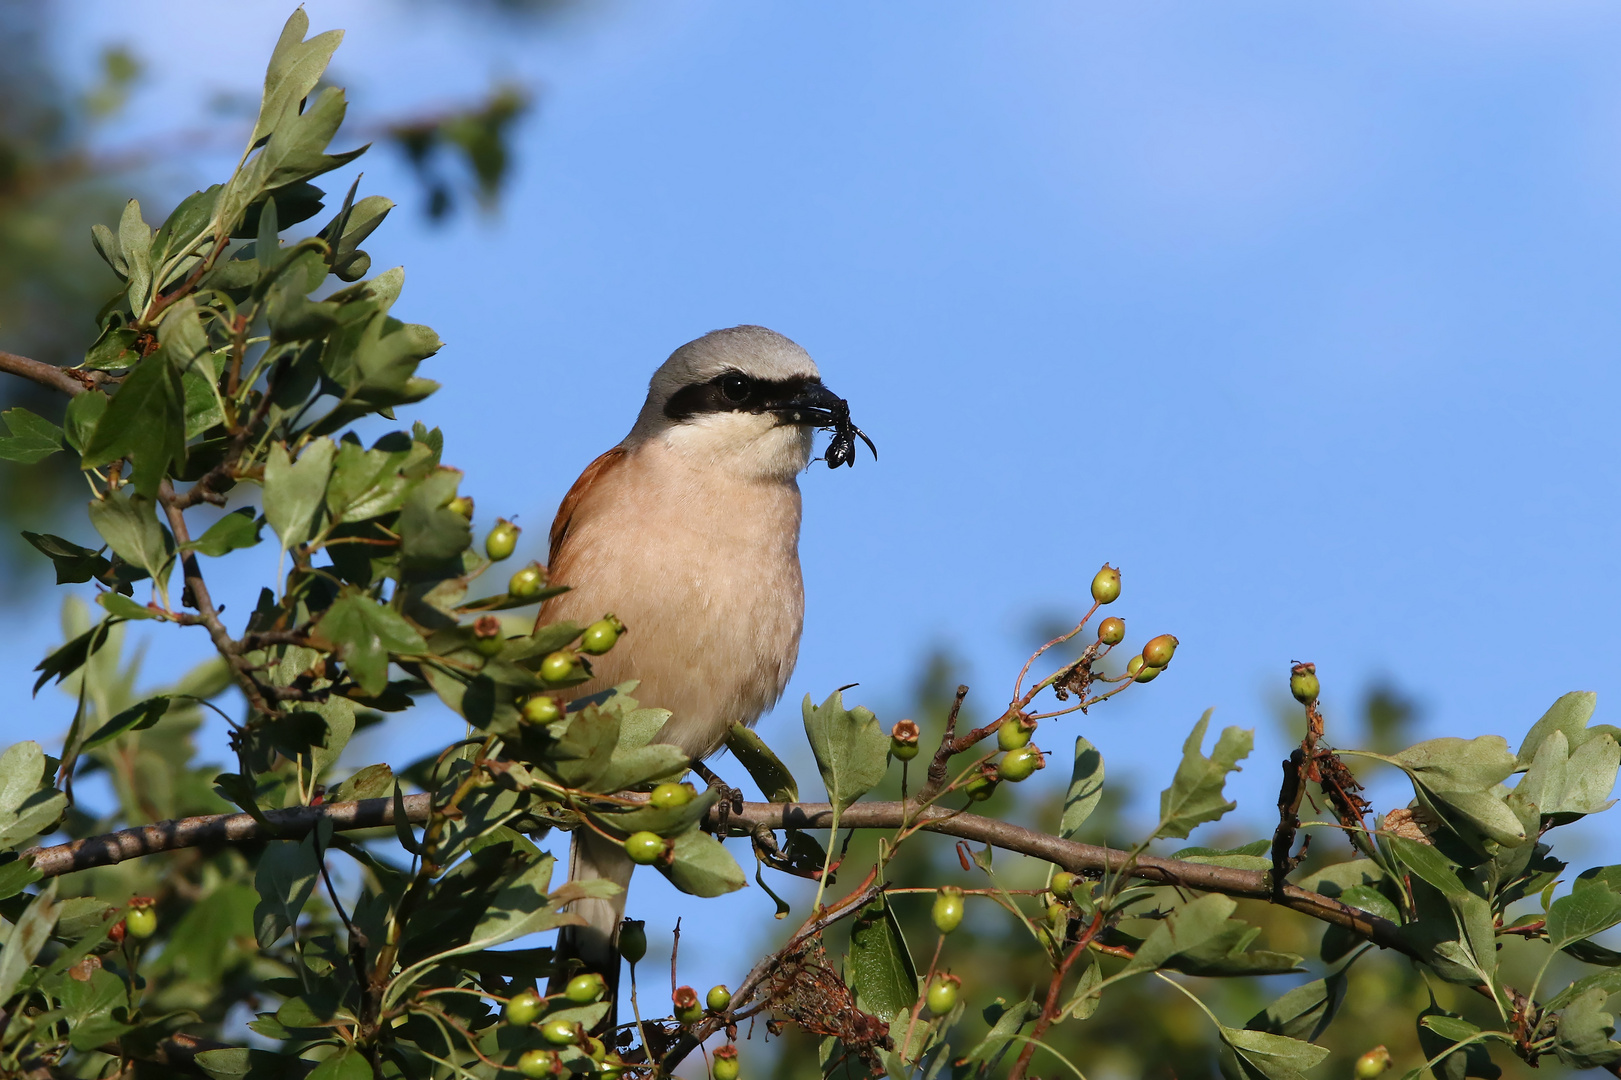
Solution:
(731, 799)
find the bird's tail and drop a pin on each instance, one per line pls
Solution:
(595, 942)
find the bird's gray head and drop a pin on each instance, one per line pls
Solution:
(745, 399)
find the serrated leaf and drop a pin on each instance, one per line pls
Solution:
(130, 527)
(881, 970)
(851, 750)
(295, 491)
(1584, 1033)
(772, 777)
(285, 877)
(1569, 715)
(372, 782)
(84, 412)
(1085, 788)
(145, 421)
(1592, 906)
(33, 438)
(364, 633)
(1195, 794)
(1188, 927)
(74, 564)
(238, 529)
(1275, 1057)
(70, 657)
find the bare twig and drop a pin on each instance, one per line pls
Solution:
(70, 381)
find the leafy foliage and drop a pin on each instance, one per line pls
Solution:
(232, 364)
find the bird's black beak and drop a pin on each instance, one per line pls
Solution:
(812, 404)
(816, 405)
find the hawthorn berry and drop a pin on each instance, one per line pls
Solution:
(903, 740)
(463, 505)
(669, 795)
(687, 1009)
(632, 940)
(1372, 1063)
(560, 1032)
(1159, 650)
(502, 540)
(541, 709)
(557, 666)
(585, 988)
(141, 920)
(980, 787)
(1112, 631)
(942, 995)
(644, 848)
(1062, 885)
(1014, 732)
(948, 909)
(1018, 764)
(1106, 585)
(527, 582)
(601, 635)
(719, 998)
(522, 1008)
(1303, 683)
(725, 1066)
(536, 1064)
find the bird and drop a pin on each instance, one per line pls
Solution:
(688, 532)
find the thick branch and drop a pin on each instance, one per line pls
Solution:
(69, 382)
(213, 830)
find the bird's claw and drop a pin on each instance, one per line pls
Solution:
(731, 799)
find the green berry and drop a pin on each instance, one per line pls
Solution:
(903, 740)
(585, 988)
(536, 1064)
(613, 1067)
(502, 540)
(687, 1009)
(644, 848)
(595, 1050)
(632, 940)
(1159, 650)
(1014, 732)
(948, 909)
(524, 1007)
(487, 638)
(1106, 585)
(1062, 885)
(560, 1032)
(980, 787)
(557, 666)
(1372, 1063)
(669, 796)
(463, 505)
(1140, 670)
(1112, 631)
(1303, 683)
(541, 709)
(600, 636)
(902, 751)
(1057, 914)
(141, 922)
(942, 996)
(527, 583)
(725, 1066)
(719, 998)
(1018, 764)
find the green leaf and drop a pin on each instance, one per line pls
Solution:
(295, 67)
(135, 718)
(1589, 776)
(1592, 906)
(284, 880)
(1274, 1057)
(33, 438)
(113, 349)
(347, 1064)
(1608, 981)
(1005, 1021)
(73, 655)
(84, 412)
(295, 490)
(1438, 1031)
(27, 938)
(123, 607)
(96, 1009)
(1187, 927)
(74, 564)
(238, 529)
(700, 865)
(1462, 776)
(1195, 794)
(130, 527)
(366, 483)
(135, 249)
(372, 782)
(364, 633)
(1569, 715)
(431, 534)
(881, 969)
(1584, 1034)
(248, 1064)
(772, 777)
(145, 422)
(1085, 788)
(28, 804)
(851, 750)
(1304, 1012)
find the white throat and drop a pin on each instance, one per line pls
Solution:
(748, 446)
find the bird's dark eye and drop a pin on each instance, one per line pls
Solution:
(735, 387)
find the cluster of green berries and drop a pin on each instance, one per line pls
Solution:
(1146, 666)
(526, 1007)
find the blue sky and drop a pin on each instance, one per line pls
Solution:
(1303, 316)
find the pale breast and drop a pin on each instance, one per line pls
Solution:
(704, 572)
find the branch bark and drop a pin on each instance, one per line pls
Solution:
(69, 381)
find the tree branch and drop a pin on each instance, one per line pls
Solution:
(70, 381)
